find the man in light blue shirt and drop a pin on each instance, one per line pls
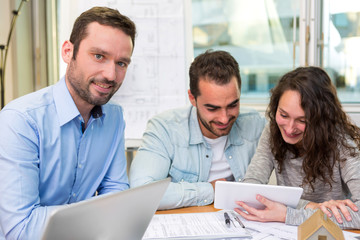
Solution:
(64, 143)
(201, 144)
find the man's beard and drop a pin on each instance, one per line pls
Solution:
(82, 88)
(213, 130)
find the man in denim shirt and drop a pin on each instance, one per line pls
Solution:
(203, 143)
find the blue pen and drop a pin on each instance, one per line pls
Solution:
(227, 219)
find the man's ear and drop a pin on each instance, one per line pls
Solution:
(67, 51)
(192, 98)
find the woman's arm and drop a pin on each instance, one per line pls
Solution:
(277, 212)
(261, 165)
(343, 212)
(298, 216)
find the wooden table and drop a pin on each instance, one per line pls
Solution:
(208, 208)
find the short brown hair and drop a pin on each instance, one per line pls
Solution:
(104, 16)
(218, 66)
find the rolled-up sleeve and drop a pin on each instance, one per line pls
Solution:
(153, 161)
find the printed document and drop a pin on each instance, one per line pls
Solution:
(209, 225)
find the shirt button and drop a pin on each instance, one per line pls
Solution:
(207, 156)
(205, 201)
(80, 166)
(240, 180)
(74, 194)
(230, 157)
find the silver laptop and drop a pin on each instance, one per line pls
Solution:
(123, 215)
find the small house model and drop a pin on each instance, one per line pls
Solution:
(319, 227)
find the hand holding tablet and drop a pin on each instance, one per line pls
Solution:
(227, 193)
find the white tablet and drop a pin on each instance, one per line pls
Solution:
(226, 193)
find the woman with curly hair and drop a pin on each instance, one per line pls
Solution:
(310, 142)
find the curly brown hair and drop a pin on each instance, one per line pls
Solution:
(328, 128)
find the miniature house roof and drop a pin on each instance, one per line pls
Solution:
(315, 222)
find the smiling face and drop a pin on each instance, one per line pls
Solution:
(290, 117)
(217, 107)
(100, 65)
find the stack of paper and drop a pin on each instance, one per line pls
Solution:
(211, 225)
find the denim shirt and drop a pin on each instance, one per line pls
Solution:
(173, 146)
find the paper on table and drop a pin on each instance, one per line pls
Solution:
(212, 226)
(278, 231)
(193, 226)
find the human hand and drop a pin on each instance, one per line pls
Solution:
(335, 206)
(273, 212)
(213, 182)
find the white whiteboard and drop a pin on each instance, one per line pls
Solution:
(157, 78)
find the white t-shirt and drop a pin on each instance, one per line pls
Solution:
(220, 168)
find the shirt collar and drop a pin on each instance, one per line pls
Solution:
(196, 135)
(65, 105)
(235, 138)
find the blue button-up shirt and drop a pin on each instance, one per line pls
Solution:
(174, 146)
(46, 160)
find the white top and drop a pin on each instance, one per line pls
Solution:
(220, 168)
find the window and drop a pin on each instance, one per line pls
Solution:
(269, 38)
(322, 237)
(259, 34)
(341, 59)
